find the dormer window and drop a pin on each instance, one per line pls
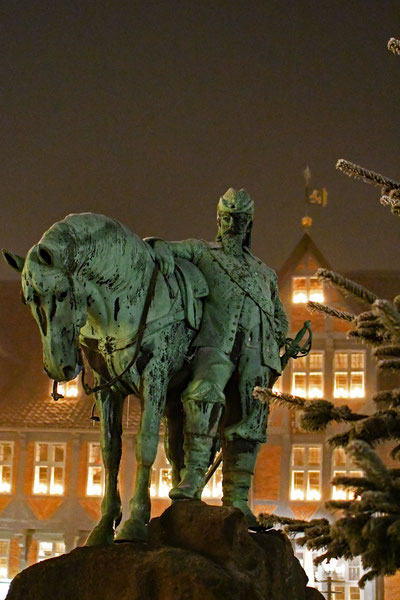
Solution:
(305, 289)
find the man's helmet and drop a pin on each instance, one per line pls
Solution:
(237, 202)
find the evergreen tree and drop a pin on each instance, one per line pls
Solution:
(369, 524)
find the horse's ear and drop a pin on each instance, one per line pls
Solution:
(16, 262)
(45, 256)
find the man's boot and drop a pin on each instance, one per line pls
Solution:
(203, 403)
(239, 459)
(197, 460)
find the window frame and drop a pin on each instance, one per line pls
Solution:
(306, 469)
(346, 470)
(51, 465)
(10, 464)
(307, 372)
(213, 489)
(94, 465)
(7, 557)
(307, 290)
(53, 554)
(349, 372)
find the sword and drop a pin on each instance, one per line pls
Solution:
(293, 349)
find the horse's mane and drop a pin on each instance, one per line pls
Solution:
(90, 244)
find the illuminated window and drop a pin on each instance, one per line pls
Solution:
(6, 460)
(349, 374)
(307, 376)
(300, 290)
(307, 288)
(68, 389)
(161, 483)
(306, 473)
(4, 554)
(339, 591)
(213, 489)
(95, 472)
(165, 482)
(49, 469)
(354, 593)
(50, 550)
(342, 466)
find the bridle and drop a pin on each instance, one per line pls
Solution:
(139, 338)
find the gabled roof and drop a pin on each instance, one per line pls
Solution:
(305, 245)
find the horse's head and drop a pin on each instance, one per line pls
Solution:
(58, 303)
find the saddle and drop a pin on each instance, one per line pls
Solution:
(193, 287)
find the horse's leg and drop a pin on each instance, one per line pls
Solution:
(153, 394)
(109, 406)
(173, 435)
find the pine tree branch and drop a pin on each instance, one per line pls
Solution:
(317, 414)
(369, 329)
(267, 395)
(346, 285)
(390, 396)
(365, 337)
(387, 350)
(351, 482)
(388, 356)
(395, 452)
(388, 316)
(329, 311)
(392, 364)
(370, 463)
(373, 429)
(358, 172)
(394, 45)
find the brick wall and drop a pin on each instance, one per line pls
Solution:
(14, 558)
(267, 474)
(391, 587)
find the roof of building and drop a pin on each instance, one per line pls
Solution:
(304, 245)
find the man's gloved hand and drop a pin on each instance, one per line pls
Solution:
(164, 257)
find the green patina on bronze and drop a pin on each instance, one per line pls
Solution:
(86, 282)
(237, 348)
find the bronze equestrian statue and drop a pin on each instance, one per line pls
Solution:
(93, 285)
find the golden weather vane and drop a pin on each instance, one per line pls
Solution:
(317, 197)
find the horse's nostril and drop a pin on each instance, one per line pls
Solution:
(69, 373)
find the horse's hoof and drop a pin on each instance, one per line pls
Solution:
(132, 530)
(100, 537)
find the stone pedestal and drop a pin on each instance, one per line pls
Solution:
(195, 552)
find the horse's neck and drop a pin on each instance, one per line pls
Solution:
(116, 292)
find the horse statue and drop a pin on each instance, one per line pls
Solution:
(93, 285)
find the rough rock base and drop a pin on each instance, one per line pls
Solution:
(195, 552)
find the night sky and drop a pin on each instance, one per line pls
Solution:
(148, 111)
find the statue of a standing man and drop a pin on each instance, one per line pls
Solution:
(243, 327)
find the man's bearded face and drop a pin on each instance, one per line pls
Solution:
(233, 224)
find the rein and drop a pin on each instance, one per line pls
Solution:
(140, 334)
(142, 327)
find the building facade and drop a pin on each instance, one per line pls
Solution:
(51, 475)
